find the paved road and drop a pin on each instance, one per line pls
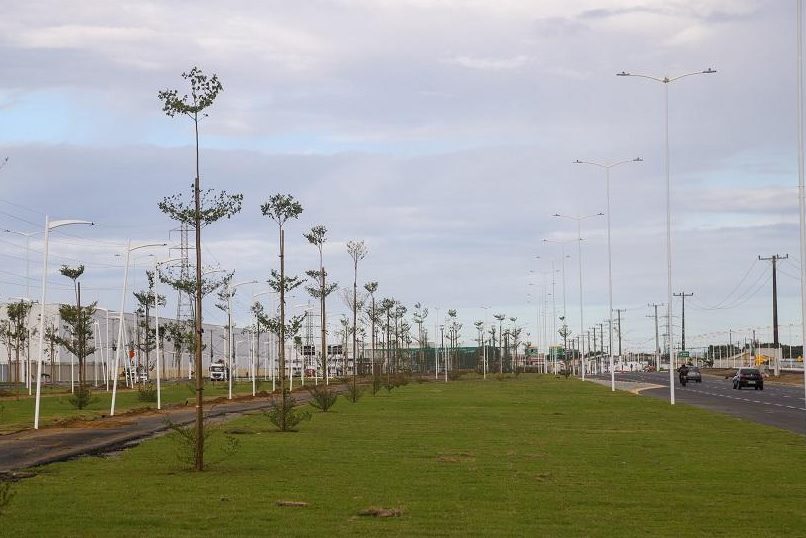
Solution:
(777, 405)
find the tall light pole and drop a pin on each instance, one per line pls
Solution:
(484, 347)
(156, 326)
(49, 225)
(27, 236)
(579, 219)
(666, 80)
(801, 187)
(129, 249)
(607, 166)
(230, 339)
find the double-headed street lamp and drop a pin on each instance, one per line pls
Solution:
(49, 225)
(129, 249)
(579, 219)
(607, 167)
(666, 80)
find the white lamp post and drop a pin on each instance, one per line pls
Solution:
(129, 249)
(801, 188)
(231, 340)
(666, 81)
(607, 167)
(49, 225)
(157, 323)
(579, 219)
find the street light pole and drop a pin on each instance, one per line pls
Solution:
(607, 167)
(666, 80)
(156, 326)
(49, 225)
(230, 339)
(129, 249)
(579, 219)
(801, 187)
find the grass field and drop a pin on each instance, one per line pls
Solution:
(532, 456)
(55, 406)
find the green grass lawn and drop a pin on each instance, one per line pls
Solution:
(532, 456)
(55, 406)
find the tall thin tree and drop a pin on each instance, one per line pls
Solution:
(203, 92)
(357, 251)
(280, 208)
(317, 237)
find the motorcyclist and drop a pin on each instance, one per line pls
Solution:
(683, 372)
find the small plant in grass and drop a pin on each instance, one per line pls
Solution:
(6, 494)
(353, 393)
(400, 380)
(285, 415)
(218, 445)
(147, 392)
(322, 397)
(81, 398)
(455, 375)
(376, 384)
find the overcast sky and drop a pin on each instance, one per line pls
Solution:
(441, 132)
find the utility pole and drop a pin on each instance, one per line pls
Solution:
(657, 337)
(619, 311)
(775, 344)
(683, 295)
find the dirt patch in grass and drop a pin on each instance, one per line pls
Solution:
(374, 511)
(459, 457)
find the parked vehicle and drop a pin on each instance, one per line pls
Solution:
(218, 371)
(694, 374)
(748, 377)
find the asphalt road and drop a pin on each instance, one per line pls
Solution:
(777, 405)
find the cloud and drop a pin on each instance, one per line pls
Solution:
(490, 64)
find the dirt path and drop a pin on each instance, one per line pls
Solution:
(47, 445)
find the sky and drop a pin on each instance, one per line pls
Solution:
(440, 132)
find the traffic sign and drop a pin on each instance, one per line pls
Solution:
(683, 354)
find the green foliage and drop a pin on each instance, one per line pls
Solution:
(286, 283)
(213, 206)
(281, 207)
(81, 397)
(147, 392)
(218, 446)
(72, 272)
(353, 393)
(322, 397)
(377, 383)
(284, 415)
(316, 291)
(203, 91)
(317, 236)
(78, 325)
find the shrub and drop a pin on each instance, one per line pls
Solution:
(216, 445)
(353, 392)
(376, 384)
(455, 375)
(147, 392)
(81, 398)
(322, 397)
(284, 415)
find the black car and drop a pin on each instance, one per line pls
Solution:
(748, 377)
(694, 374)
